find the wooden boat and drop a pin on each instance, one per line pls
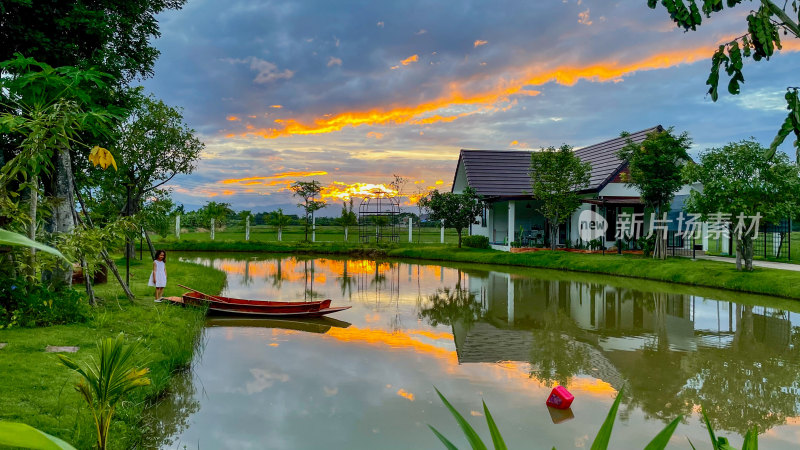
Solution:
(261, 308)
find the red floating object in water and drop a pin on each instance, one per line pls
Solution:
(560, 398)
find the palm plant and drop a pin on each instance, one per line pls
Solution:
(107, 380)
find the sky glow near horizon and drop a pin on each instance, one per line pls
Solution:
(350, 93)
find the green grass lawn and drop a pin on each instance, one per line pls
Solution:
(335, 234)
(35, 389)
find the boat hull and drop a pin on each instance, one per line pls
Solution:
(260, 308)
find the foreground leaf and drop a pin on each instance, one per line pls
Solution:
(497, 438)
(444, 440)
(750, 440)
(472, 437)
(662, 439)
(604, 435)
(16, 239)
(25, 436)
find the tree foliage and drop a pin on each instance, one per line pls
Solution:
(455, 210)
(115, 36)
(739, 179)
(279, 220)
(308, 191)
(557, 176)
(763, 36)
(154, 145)
(655, 167)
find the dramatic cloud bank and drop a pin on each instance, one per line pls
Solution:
(351, 94)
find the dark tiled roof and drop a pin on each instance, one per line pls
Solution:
(504, 173)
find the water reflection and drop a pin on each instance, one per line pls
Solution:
(504, 336)
(673, 352)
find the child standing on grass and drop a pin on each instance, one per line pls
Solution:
(158, 278)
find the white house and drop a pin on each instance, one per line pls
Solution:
(502, 178)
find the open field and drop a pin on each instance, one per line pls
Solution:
(262, 233)
(37, 390)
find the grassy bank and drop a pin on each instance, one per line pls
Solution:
(702, 273)
(714, 274)
(37, 390)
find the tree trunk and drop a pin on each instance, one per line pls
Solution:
(280, 232)
(660, 247)
(458, 230)
(553, 234)
(109, 262)
(739, 255)
(748, 253)
(61, 220)
(345, 234)
(34, 199)
(149, 244)
(87, 279)
(111, 265)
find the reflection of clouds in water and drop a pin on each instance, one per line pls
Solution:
(372, 370)
(264, 379)
(405, 394)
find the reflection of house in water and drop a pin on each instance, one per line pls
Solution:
(611, 326)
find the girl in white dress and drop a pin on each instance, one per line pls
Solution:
(158, 278)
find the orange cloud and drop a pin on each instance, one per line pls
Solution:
(375, 134)
(479, 42)
(233, 118)
(583, 18)
(516, 143)
(343, 191)
(439, 182)
(227, 192)
(263, 180)
(409, 60)
(276, 106)
(455, 93)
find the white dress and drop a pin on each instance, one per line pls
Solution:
(161, 275)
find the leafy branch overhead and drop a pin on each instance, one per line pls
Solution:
(762, 38)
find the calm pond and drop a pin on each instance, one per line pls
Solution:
(365, 377)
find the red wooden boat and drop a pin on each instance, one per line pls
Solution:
(262, 308)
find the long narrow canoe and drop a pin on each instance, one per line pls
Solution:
(263, 308)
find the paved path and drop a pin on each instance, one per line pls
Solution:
(756, 263)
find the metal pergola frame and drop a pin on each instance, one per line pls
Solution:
(378, 218)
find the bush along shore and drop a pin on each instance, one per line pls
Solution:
(37, 390)
(704, 273)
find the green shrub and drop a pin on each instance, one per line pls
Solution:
(475, 241)
(32, 305)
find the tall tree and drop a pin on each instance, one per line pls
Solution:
(154, 145)
(557, 174)
(762, 38)
(738, 179)
(308, 191)
(455, 210)
(348, 218)
(114, 36)
(655, 167)
(42, 113)
(280, 221)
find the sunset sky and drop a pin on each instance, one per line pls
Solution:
(351, 92)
